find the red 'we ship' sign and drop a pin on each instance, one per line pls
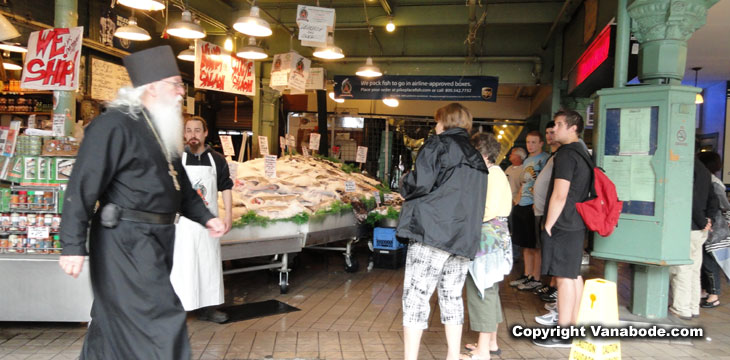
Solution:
(217, 69)
(53, 59)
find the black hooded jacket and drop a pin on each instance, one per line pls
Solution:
(445, 195)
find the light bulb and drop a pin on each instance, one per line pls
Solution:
(332, 96)
(228, 44)
(391, 102)
(390, 27)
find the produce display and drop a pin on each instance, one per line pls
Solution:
(304, 186)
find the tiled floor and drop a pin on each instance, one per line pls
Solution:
(355, 316)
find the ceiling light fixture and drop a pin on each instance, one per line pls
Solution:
(332, 96)
(369, 70)
(11, 65)
(253, 24)
(698, 98)
(390, 27)
(329, 52)
(187, 54)
(147, 5)
(185, 28)
(13, 47)
(252, 51)
(7, 30)
(132, 32)
(391, 102)
(228, 44)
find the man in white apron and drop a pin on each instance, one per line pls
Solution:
(196, 275)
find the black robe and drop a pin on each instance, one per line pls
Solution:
(136, 313)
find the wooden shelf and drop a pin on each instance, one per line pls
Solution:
(49, 113)
(28, 92)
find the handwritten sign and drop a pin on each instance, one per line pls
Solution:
(38, 232)
(31, 122)
(59, 124)
(388, 197)
(313, 14)
(376, 195)
(263, 145)
(282, 143)
(350, 186)
(216, 69)
(291, 141)
(227, 144)
(290, 71)
(314, 141)
(270, 166)
(362, 154)
(313, 32)
(53, 59)
(315, 80)
(106, 79)
(305, 151)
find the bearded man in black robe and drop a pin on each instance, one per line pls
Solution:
(129, 162)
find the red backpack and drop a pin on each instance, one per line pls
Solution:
(601, 211)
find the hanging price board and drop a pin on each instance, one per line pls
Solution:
(227, 144)
(305, 151)
(264, 145)
(314, 141)
(362, 154)
(291, 141)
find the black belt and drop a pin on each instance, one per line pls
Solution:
(147, 217)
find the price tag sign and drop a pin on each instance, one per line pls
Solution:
(376, 194)
(314, 141)
(233, 170)
(227, 144)
(388, 197)
(291, 141)
(59, 124)
(38, 232)
(270, 166)
(362, 154)
(31, 122)
(282, 143)
(350, 186)
(264, 145)
(305, 151)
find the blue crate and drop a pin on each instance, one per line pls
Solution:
(384, 239)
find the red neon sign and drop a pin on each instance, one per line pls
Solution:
(596, 54)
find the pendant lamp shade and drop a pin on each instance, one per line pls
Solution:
(186, 28)
(132, 32)
(147, 5)
(369, 70)
(7, 30)
(11, 65)
(252, 51)
(698, 98)
(253, 24)
(391, 102)
(187, 54)
(332, 96)
(329, 52)
(13, 47)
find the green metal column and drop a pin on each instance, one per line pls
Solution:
(66, 16)
(651, 291)
(610, 271)
(558, 71)
(623, 28)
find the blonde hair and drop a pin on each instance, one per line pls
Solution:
(454, 115)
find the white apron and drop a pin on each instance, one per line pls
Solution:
(196, 275)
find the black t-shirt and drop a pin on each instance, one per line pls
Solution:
(221, 166)
(569, 165)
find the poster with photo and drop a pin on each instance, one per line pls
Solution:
(30, 169)
(43, 167)
(63, 168)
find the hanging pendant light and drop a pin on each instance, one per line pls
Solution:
(228, 44)
(390, 27)
(185, 28)
(337, 100)
(253, 24)
(7, 30)
(329, 52)
(132, 32)
(13, 47)
(369, 70)
(11, 65)
(698, 98)
(252, 51)
(187, 54)
(147, 5)
(392, 102)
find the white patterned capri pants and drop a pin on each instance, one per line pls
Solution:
(427, 267)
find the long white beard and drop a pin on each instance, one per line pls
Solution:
(168, 121)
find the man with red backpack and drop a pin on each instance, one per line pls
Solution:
(562, 238)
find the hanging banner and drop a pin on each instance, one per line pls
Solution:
(290, 71)
(216, 69)
(449, 88)
(53, 58)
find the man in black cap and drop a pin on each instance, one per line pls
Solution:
(130, 163)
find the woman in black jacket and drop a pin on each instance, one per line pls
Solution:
(442, 218)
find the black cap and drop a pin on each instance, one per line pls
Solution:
(150, 65)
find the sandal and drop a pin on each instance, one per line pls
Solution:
(707, 305)
(472, 347)
(470, 356)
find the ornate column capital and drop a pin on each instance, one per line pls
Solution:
(668, 19)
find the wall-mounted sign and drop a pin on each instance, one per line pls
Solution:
(53, 59)
(449, 88)
(216, 69)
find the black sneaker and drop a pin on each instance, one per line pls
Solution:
(553, 342)
(541, 290)
(521, 280)
(213, 315)
(550, 296)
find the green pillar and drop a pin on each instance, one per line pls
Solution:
(557, 72)
(610, 271)
(651, 291)
(623, 30)
(66, 16)
(265, 119)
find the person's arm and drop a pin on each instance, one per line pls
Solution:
(224, 184)
(420, 181)
(193, 207)
(721, 196)
(227, 205)
(557, 203)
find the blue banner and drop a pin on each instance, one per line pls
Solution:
(449, 88)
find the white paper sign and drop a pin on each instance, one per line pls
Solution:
(59, 124)
(216, 69)
(38, 232)
(313, 32)
(305, 151)
(314, 141)
(190, 108)
(279, 78)
(362, 154)
(263, 145)
(227, 144)
(270, 166)
(53, 59)
(376, 195)
(282, 143)
(388, 197)
(291, 141)
(31, 121)
(315, 80)
(350, 186)
(314, 14)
